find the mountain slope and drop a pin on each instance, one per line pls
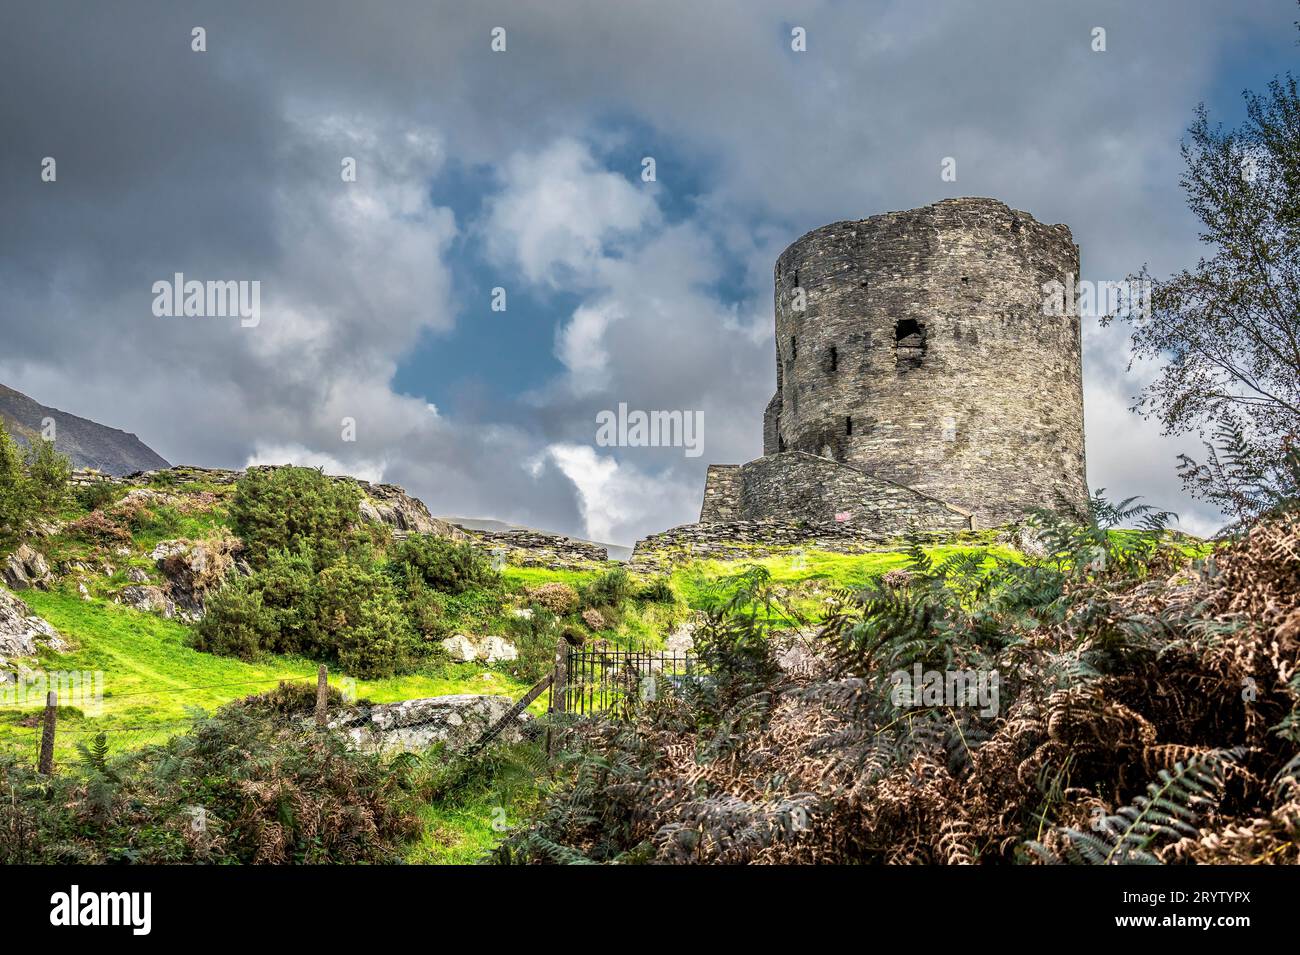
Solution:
(87, 443)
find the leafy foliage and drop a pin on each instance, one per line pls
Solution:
(293, 509)
(31, 486)
(1227, 332)
(443, 564)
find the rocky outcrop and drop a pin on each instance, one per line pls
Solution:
(146, 598)
(193, 569)
(26, 568)
(22, 633)
(417, 724)
(390, 505)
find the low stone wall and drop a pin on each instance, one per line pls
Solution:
(738, 540)
(456, 720)
(525, 548)
(794, 487)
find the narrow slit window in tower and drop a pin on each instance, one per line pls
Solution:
(848, 425)
(794, 348)
(835, 358)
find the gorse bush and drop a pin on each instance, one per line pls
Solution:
(608, 590)
(443, 564)
(348, 613)
(296, 510)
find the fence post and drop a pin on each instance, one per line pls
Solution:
(322, 696)
(558, 688)
(46, 764)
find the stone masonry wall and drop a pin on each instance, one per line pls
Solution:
(722, 488)
(796, 486)
(924, 356)
(740, 540)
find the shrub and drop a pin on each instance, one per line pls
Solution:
(380, 642)
(557, 597)
(535, 638)
(99, 528)
(593, 618)
(47, 474)
(288, 588)
(446, 565)
(13, 485)
(608, 590)
(94, 496)
(30, 488)
(291, 508)
(236, 622)
(658, 591)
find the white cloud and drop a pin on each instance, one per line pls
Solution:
(619, 503)
(558, 212)
(299, 456)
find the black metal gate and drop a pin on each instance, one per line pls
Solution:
(599, 677)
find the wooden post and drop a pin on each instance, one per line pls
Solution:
(322, 696)
(46, 764)
(558, 685)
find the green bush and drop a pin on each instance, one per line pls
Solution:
(608, 590)
(293, 508)
(452, 567)
(381, 641)
(30, 488)
(236, 622)
(289, 591)
(48, 473)
(349, 613)
(95, 496)
(658, 591)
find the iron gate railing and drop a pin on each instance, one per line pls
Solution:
(598, 677)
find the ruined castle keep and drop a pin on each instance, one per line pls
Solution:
(920, 383)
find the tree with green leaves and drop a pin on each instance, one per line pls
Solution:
(48, 473)
(13, 482)
(1228, 330)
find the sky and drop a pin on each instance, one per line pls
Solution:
(521, 170)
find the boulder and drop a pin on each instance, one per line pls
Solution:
(26, 568)
(137, 575)
(463, 649)
(22, 633)
(460, 648)
(416, 724)
(495, 649)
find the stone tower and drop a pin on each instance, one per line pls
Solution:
(923, 355)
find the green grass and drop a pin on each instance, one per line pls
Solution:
(153, 679)
(467, 820)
